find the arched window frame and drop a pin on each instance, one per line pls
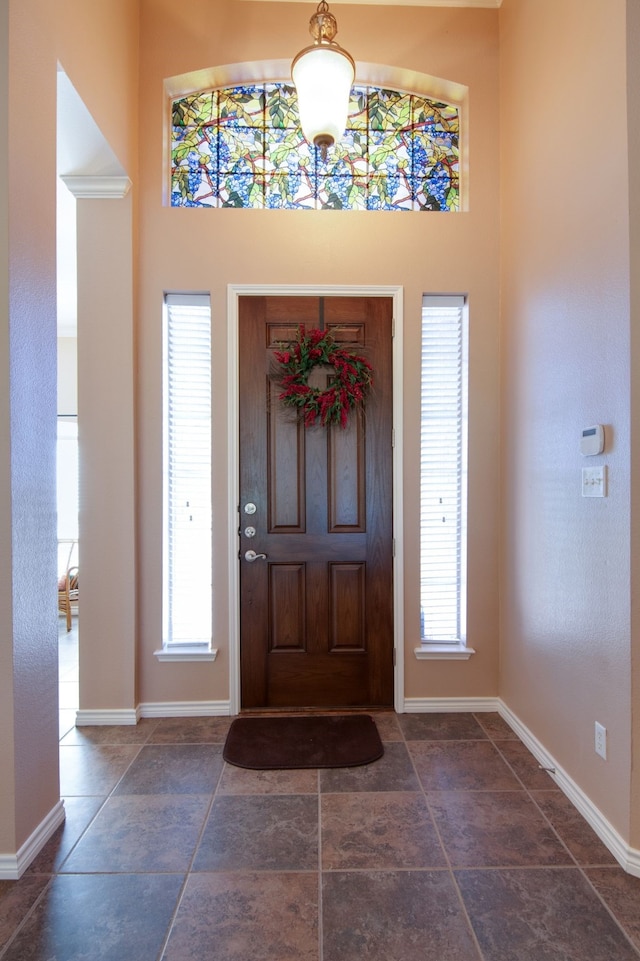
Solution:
(347, 179)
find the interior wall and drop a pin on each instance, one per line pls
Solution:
(28, 635)
(566, 571)
(98, 42)
(633, 119)
(98, 48)
(187, 249)
(7, 752)
(565, 574)
(107, 505)
(97, 45)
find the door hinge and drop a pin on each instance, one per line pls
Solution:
(394, 657)
(393, 327)
(393, 437)
(393, 547)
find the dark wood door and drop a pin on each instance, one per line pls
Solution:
(317, 612)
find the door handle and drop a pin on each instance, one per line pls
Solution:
(251, 556)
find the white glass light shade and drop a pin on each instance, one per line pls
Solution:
(323, 76)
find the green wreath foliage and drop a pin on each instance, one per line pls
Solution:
(317, 348)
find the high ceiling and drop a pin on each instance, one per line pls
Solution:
(82, 149)
(493, 4)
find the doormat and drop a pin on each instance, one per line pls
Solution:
(284, 742)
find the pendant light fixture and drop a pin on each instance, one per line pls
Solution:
(323, 74)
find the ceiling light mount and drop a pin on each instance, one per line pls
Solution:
(323, 26)
(323, 74)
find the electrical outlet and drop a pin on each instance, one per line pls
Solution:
(601, 741)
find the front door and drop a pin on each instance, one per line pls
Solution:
(316, 605)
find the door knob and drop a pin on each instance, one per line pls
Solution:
(251, 556)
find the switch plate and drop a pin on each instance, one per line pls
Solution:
(601, 741)
(594, 481)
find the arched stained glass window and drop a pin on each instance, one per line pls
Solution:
(242, 146)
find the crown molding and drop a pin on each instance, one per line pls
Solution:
(97, 188)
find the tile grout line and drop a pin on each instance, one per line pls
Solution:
(189, 869)
(576, 864)
(582, 869)
(27, 917)
(493, 738)
(445, 853)
(320, 873)
(530, 795)
(608, 909)
(56, 871)
(105, 797)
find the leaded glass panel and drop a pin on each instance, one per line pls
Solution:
(282, 106)
(389, 110)
(243, 147)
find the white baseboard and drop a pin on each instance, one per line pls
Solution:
(101, 718)
(434, 705)
(121, 716)
(12, 866)
(626, 856)
(185, 709)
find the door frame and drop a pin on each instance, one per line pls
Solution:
(234, 293)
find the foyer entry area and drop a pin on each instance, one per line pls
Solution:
(454, 846)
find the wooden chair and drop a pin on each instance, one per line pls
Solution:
(68, 593)
(68, 588)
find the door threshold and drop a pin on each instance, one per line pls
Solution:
(350, 709)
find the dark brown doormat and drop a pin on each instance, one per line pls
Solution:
(333, 740)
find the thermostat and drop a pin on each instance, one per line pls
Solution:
(592, 440)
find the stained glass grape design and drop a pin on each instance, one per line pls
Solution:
(242, 147)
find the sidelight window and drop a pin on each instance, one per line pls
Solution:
(443, 471)
(187, 566)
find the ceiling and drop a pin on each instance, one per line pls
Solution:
(492, 4)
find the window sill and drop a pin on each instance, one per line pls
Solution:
(443, 652)
(174, 654)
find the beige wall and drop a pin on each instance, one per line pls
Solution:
(565, 618)
(97, 46)
(104, 71)
(565, 613)
(209, 249)
(7, 752)
(28, 689)
(98, 43)
(107, 508)
(633, 116)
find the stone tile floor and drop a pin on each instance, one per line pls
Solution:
(454, 846)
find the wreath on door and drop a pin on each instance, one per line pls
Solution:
(351, 381)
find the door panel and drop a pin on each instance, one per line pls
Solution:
(317, 611)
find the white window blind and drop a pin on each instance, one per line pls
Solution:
(187, 595)
(443, 471)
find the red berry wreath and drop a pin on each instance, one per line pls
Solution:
(316, 348)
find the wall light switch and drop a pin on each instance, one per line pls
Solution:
(594, 481)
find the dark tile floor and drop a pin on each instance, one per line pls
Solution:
(454, 846)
